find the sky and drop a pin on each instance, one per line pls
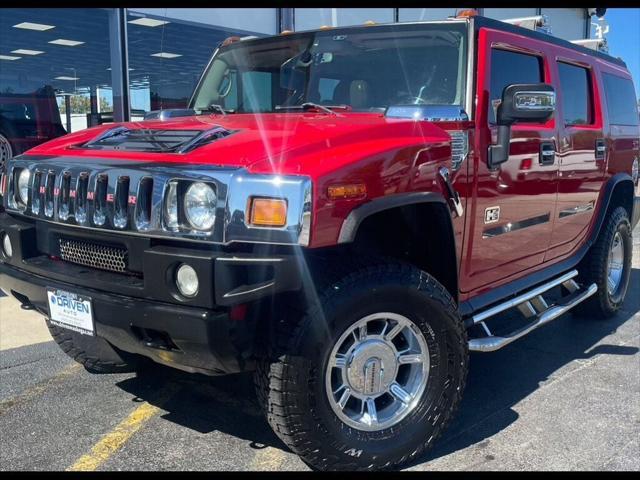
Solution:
(624, 39)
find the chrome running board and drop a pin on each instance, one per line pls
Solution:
(532, 305)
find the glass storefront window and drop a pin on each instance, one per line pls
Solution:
(312, 18)
(505, 13)
(54, 71)
(170, 47)
(426, 14)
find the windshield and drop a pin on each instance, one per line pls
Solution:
(363, 69)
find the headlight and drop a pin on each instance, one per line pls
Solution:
(23, 185)
(200, 206)
(171, 206)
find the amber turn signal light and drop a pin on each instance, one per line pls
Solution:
(352, 190)
(469, 12)
(268, 212)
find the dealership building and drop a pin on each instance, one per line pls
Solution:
(107, 64)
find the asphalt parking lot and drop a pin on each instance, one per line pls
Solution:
(566, 397)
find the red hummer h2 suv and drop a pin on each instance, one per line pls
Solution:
(344, 212)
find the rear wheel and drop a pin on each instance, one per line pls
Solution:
(369, 375)
(608, 265)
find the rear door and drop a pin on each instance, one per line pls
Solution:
(509, 221)
(582, 152)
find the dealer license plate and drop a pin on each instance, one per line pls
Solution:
(71, 311)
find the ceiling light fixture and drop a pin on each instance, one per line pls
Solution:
(9, 57)
(41, 27)
(166, 55)
(25, 51)
(66, 43)
(148, 22)
(63, 77)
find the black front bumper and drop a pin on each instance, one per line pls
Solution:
(213, 333)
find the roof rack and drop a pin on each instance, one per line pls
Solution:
(597, 44)
(538, 23)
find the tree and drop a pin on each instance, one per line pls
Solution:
(82, 104)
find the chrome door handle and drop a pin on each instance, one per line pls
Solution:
(547, 153)
(601, 149)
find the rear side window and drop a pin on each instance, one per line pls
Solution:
(621, 100)
(576, 94)
(510, 67)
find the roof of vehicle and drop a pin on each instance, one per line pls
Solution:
(478, 22)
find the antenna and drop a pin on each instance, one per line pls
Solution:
(602, 28)
(599, 43)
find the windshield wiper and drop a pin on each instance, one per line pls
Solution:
(214, 107)
(312, 106)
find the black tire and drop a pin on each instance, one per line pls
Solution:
(290, 380)
(8, 149)
(595, 267)
(95, 354)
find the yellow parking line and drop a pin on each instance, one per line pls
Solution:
(37, 389)
(116, 438)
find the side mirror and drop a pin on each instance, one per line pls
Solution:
(522, 103)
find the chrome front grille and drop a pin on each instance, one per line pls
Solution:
(93, 255)
(114, 196)
(127, 196)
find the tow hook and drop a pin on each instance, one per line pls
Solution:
(454, 196)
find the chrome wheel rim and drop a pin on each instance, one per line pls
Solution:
(377, 371)
(616, 264)
(6, 153)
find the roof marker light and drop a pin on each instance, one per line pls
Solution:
(470, 12)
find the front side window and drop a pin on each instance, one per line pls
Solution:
(364, 69)
(576, 94)
(507, 68)
(621, 100)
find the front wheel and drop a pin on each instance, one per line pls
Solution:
(95, 354)
(371, 374)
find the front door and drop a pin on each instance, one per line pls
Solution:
(510, 220)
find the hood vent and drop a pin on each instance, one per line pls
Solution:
(154, 140)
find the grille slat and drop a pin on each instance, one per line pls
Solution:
(94, 255)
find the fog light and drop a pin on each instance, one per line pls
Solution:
(7, 248)
(187, 280)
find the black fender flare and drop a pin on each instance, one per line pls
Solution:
(610, 187)
(351, 224)
(355, 218)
